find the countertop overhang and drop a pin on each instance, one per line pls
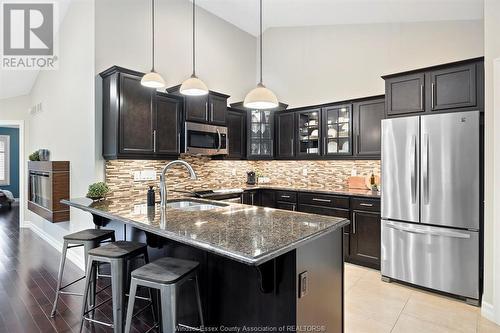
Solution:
(248, 234)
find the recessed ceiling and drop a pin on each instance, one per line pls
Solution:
(292, 13)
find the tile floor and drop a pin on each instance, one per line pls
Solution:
(373, 306)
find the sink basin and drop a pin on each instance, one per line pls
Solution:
(192, 205)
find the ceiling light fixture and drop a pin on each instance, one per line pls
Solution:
(193, 86)
(153, 79)
(260, 97)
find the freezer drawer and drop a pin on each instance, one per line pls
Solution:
(443, 259)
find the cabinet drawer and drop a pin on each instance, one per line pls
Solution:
(324, 200)
(286, 196)
(372, 205)
(324, 211)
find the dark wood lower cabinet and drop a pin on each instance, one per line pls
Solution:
(364, 239)
(267, 198)
(286, 206)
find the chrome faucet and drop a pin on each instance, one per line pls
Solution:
(163, 185)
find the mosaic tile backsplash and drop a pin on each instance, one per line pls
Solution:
(216, 174)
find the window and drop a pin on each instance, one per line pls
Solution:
(4, 160)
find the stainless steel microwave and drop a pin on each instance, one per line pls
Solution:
(203, 139)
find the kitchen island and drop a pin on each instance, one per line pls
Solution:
(261, 269)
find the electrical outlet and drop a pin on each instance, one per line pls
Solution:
(137, 175)
(304, 172)
(144, 175)
(233, 172)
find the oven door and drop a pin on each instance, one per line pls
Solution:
(202, 139)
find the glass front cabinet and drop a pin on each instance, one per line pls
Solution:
(260, 134)
(309, 133)
(337, 130)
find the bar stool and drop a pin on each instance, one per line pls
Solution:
(89, 239)
(166, 275)
(117, 254)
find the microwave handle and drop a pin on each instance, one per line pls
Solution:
(220, 139)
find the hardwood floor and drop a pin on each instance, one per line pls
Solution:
(28, 273)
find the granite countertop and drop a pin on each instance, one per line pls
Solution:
(248, 234)
(345, 191)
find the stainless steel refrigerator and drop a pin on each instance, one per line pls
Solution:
(431, 187)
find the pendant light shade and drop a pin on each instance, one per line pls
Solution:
(260, 97)
(153, 79)
(193, 86)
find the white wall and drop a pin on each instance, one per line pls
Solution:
(491, 296)
(311, 65)
(66, 125)
(15, 108)
(225, 54)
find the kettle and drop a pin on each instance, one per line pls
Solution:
(251, 178)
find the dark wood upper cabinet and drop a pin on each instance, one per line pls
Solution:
(217, 105)
(167, 134)
(260, 134)
(337, 130)
(453, 88)
(136, 116)
(285, 134)
(236, 131)
(457, 86)
(308, 131)
(207, 109)
(367, 117)
(137, 124)
(405, 94)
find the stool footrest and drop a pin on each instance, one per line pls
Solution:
(99, 322)
(72, 283)
(95, 307)
(70, 293)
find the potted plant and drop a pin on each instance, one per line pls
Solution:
(97, 191)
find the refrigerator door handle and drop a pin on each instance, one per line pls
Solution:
(425, 169)
(413, 173)
(427, 231)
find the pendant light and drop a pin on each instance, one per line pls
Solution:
(153, 79)
(260, 97)
(193, 86)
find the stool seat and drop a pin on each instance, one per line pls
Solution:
(165, 270)
(119, 249)
(90, 234)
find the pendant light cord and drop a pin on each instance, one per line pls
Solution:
(260, 41)
(194, 36)
(153, 35)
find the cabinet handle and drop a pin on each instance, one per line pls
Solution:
(154, 141)
(421, 97)
(353, 223)
(285, 196)
(179, 142)
(252, 196)
(432, 95)
(292, 148)
(324, 146)
(206, 111)
(293, 208)
(357, 143)
(366, 204)
(321, 200)
(212, 112)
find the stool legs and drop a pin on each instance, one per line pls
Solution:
(118, 276)
(59, 277)
(130, 306)
(92, 289)
(168, 308)
(88, 272)
(198, 300)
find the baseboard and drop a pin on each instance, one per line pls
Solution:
(72, 256)
(487, 311)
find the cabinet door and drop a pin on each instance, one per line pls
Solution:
(365, 238)
(405, 94)
(217, 109)
(236, 131)
(168, 129)
(337, 130)
(309, 133)
(267, 198)
(136, 116)
(285, 134)
(250, 198)
(260, 134)
(196, 108)
(367, 121)
(453, 88)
